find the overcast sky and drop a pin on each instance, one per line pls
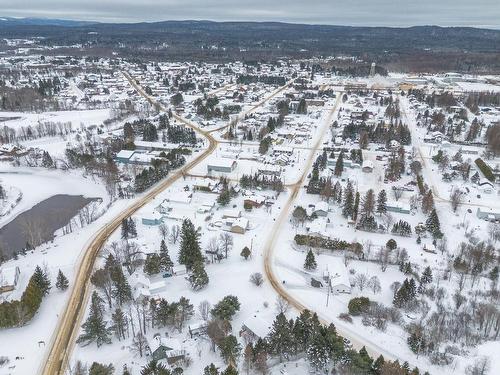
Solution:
(479, 13)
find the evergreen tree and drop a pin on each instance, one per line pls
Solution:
(427, 202)
(131, 228)
(391, 244)
(310, 263)
(155, 368)
(119, 323)
(368, 207)
(198, 277)
(100, 369)
(47, 161)
(166, 263)
(152, 264)
(62, 281)
(226, 308)
(121, 290)
(224, 197)
(280, 339)
(416, 342)
(318, 352)
(302, 106)
(382, 202)
(230, 349)
(348, 207)
(230, 370)
(189, 252)
(433, 225)
(426, 276)
(339, 165)
(31, 300)
(211, 370)
(245, 253)
(377, 365)
(41, 279)
(355, 209)
(94, 328)
(125, 229)
(406, 294)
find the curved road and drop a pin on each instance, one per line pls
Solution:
(64, 337)
(357, 340)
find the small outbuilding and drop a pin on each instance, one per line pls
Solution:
(367, 166)
(221, 165)
(9, 276)
(154, 218)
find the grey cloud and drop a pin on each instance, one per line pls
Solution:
(484, 13)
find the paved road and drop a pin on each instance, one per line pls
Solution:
(64, 337)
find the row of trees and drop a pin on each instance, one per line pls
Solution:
(19, 312)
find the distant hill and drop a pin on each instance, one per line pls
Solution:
(12, 21)
(420, 48)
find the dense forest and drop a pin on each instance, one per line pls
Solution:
(423, 48)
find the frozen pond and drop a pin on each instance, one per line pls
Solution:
(38, 224)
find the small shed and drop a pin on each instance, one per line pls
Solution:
(231, 214)
(321, 209)
(179, 270)
(9, 276)
(429, 248)
(197, 328)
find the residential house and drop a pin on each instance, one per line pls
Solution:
(254, 329)
(240, 225)
(488, 215)
(338, 279)
(162, 348)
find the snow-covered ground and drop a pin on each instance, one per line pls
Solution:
(38, 184)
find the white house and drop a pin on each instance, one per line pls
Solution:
(338, 277)
(254, 328)
(162, 348)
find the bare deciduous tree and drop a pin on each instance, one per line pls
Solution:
(397, 192)
(256, 278)
(480, 367)
(174, 233)
(374, 284)
(204, 309)
(163, 230)
(226, 241)
(387, 219)
(455, 199)
(361, 280)
(282, 305)
(139, 343)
